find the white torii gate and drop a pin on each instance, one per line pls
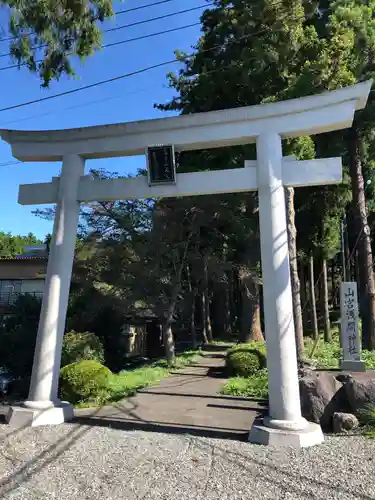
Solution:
(266, 125)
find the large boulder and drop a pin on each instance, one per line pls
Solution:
(360, 394)
(321, 396)
(344, 422)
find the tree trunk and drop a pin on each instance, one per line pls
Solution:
(250, 307)
(357, 277)
(367, 287)
(193, 295)
(303, 295)
(348, 271)
(204, 326)
(193, 331)
(333, 284)
(314, 319)
(221, 308)
(295, 282)
(324, 299)
(168, 339)
(207, 313)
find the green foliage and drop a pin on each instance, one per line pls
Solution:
(246, 359)
(326, 355)
(255, 386)
(18, 336)
(83, 380)
(93, 311)
(61, 29)
(11, 245)
(369, 358)
(366, 417)
(79, 346)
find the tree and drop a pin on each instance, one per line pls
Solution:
(342, 52)
(12, 245)
(60, 30)
(235, 66)
(295, 282)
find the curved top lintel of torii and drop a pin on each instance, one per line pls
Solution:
(303, 116)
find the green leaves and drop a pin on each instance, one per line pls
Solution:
(10, 245)
(47, 34)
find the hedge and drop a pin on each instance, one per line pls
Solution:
(245, 360)
(83, 380)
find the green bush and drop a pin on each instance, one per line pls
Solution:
(80, 346)
(83, 380)
(245, 360)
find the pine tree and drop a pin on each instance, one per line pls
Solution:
(60, 29)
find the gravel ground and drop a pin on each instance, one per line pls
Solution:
(80, 462)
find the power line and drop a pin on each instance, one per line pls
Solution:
(77, 106)
(120, 42)
(221, 68)
(136, 72)
(9, 163)
(130, 25)
(165, 16)
(92, 85)
(141, 7)
(149, 35)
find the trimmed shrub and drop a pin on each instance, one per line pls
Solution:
(83, 380)
(245, 360)
(79, 346)
(250, 346)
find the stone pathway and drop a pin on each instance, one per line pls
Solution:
(188, 402)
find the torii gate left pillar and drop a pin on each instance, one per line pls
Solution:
(266, 125)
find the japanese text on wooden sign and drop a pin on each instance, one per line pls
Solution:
(349, 321)
(161, 165)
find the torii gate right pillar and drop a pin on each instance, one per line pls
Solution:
(284, 423)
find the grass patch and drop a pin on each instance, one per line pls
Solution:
(127, 382)
(255, 386)
(326, 355)
(222, 343)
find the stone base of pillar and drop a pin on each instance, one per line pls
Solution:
(21, 416)
(310, 435)
(352, 366)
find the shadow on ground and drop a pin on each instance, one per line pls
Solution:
(163, 427)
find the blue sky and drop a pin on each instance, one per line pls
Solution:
(126, 100)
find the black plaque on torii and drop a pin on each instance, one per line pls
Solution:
(161, 165)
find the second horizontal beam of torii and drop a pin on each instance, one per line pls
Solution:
(295, 173)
